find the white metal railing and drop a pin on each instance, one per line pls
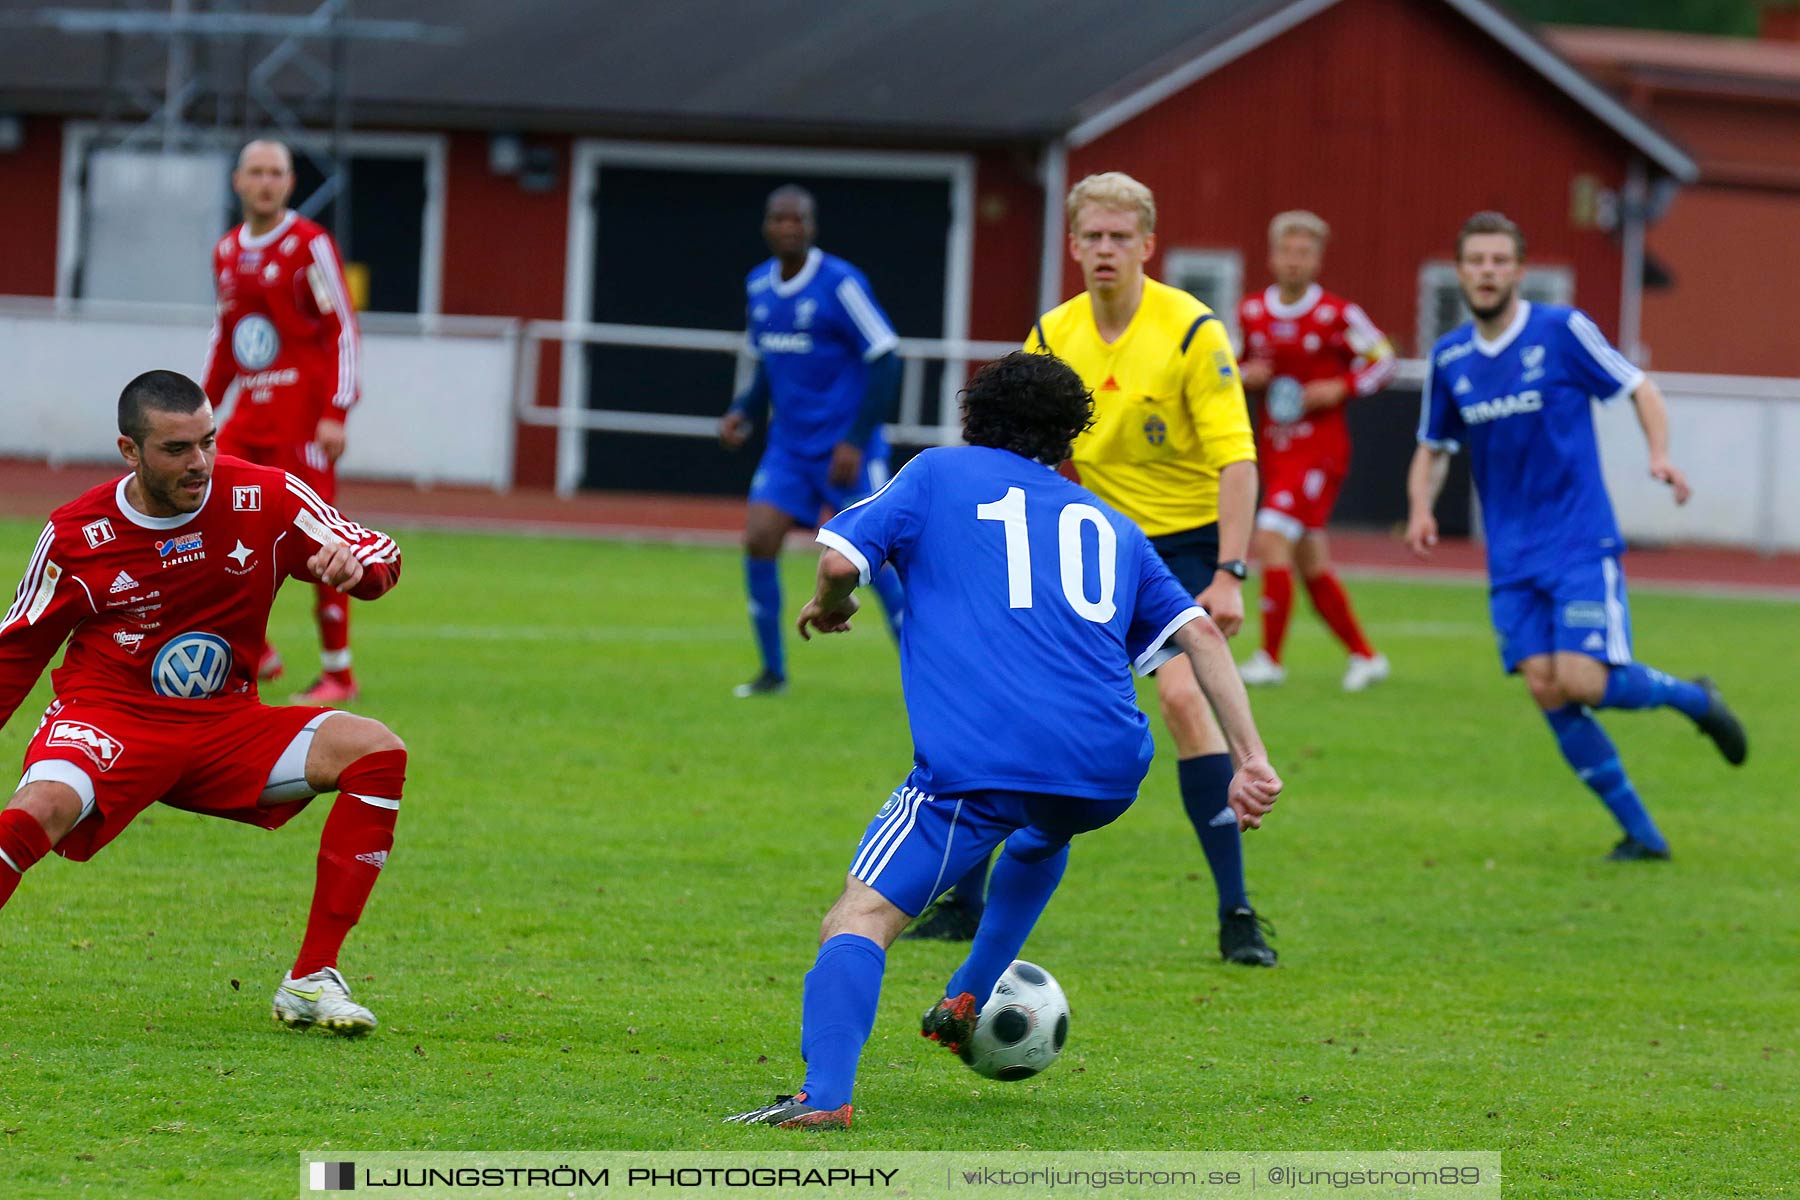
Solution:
(446, 394)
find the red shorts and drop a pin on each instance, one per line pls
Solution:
(1298, 494)
(218, 764)
(303, 460)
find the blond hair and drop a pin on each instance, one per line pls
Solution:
(1298, 220)
(1117, 191)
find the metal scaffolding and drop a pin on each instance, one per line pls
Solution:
(231, 70)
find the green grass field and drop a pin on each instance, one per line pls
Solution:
(609, 876)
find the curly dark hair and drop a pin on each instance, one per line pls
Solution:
(1031, 404)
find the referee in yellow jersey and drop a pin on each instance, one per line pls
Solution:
(1171, 448)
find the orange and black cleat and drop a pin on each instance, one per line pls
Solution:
(793, 1112)
(951, 1023)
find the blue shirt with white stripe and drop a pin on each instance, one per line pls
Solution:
(815, 335)
(1028, 602)
(1523, 406)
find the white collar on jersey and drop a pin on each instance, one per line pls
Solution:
(130, 512)
(1299, 308)
(787, 287)
(246, 242)
(1490, 349)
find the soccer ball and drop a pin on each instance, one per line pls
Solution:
(1022, 1027)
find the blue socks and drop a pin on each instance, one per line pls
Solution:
(1205, 785)
(893, 598)
(837, 1016)
(762, 580)
(1637, 686)
(1016, 900)
(1592, 754)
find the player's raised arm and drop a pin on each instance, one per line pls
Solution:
(335, 550)
(46, 607)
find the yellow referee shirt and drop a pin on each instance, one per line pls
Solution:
(1169, 410)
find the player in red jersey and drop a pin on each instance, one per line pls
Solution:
(161, 583)
(286, 333)
(1309, 352)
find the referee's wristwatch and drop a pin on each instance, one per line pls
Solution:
(1235, 567)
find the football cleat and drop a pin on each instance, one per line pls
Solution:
(951, 1024)
(1262, 671)
(949, 920)
(1363, 673)
(1721, 724)
(269, 667)
(1241, 939)
(329, 690)
(322, 999)
(766, 684)
(1630, 849)
(793, 1112)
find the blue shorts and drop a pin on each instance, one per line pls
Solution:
(1578, 609)
(919, 844)
(800, 487)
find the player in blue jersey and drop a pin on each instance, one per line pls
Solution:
(1515, 387)
(826, 367)
(1029, 603)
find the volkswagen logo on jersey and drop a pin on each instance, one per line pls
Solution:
(1286, 400)
(191, 667)
(255, 342)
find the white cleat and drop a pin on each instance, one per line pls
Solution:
(1363, 672)
(322, 999)
(1262, 671)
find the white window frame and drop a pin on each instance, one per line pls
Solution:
(1546, 284)
(1181, 264)
(429, 148)
(591, 155)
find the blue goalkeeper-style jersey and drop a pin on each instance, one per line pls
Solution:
(1028, 602)
(815, 335)
(1523, 406)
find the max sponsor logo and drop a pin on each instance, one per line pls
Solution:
(78, 735)
(1506, 406)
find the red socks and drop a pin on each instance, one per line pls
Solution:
(331, 608)
(1334, 608)
(1277, 604)
(352, 850)
(22, 842)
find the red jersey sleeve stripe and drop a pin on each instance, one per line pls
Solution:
(333, 274)
(34, 577)
(367, 545)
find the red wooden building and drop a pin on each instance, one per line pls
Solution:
(940, 138)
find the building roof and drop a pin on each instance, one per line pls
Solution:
(949, 70)
(1690, 60)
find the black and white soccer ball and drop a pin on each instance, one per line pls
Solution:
(1022, 1027)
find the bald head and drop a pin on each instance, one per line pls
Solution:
(263, 181)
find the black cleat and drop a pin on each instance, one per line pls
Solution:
(1720, 724)
(793, 1112)
(951, 1023)
(1630, 849)
(949, 920)
(1241, 939)
(766, 684)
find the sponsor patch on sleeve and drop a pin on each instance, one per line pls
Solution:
(45, 593)
(315, 529)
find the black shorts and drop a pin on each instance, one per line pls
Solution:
(1192, 554)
